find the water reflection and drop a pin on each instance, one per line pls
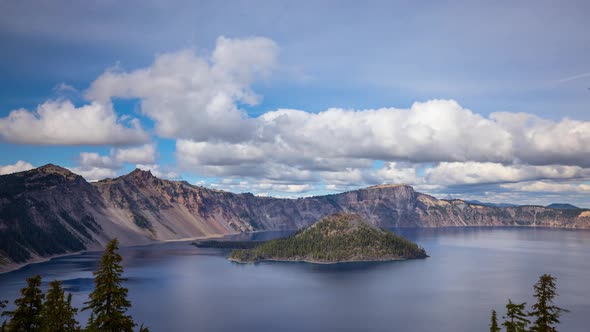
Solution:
(178, 287)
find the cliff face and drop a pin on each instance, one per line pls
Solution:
(49, 211)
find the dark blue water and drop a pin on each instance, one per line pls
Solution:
(178, 287)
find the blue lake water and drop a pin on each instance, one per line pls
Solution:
(178, 287)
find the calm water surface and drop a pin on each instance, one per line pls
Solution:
(177, 287)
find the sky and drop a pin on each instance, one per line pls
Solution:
(460, 99)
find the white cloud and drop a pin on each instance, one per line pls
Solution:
(542, 142)
(19, 166)
(398, 173)
(456, 173)
(159, 171)
(93, 159)
(61, 123)
(196, 97)
(93, 166)
(94, 173)
(261, 188)
(192, 153)
(437, 130)
(199, 99)
(544, 186)
(145, 154)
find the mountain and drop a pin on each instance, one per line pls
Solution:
(49, 211)
(562, 206)
(335, 238)
(476, 202)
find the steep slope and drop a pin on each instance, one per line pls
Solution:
(171, 209)
(335, 238)
(49, 211)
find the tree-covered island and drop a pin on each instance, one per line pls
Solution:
(334, 239)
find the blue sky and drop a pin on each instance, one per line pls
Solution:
(484, 100)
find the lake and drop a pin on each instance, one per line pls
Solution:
(178, 287)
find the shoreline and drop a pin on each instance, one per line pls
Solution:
(11, 267)
(321, 262)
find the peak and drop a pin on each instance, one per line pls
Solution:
(384, 186)
(53, 169)
(345, 220)
(139, 173)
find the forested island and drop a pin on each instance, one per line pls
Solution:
(333, 239)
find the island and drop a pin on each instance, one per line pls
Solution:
(336, 238)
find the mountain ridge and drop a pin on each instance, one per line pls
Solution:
(41, 206)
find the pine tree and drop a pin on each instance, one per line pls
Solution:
(108, 302)
(58, 313)
(546, 313)
(515, 319)
(494, 323)
(2, 306)
(26, 316)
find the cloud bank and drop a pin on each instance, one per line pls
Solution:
(200, 101)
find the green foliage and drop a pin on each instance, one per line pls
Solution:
(3, 304)
(26, 316)
(494, 323)
(108, 302)
(58, 313)
(516, 317)
(545, 312)
(341, 237)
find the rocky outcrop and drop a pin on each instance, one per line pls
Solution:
(49, 211)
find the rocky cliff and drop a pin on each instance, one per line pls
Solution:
(49, 211)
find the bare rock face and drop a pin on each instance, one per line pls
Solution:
(50, 210)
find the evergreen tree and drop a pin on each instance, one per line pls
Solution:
(26, 317)
(494, 323)
(2, 306)
(58, 314)
(108, 302)
(515, 319)
(546, 313)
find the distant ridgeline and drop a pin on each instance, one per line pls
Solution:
(49, 211)
(333, 239)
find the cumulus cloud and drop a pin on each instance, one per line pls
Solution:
(434, 131)
(457, 173)
(195, 97)
(550, 187)
(541, 142)
(452, 145)
(159, 171)
(94, 166)
(199, 100)
(19, 166)
(94, 173)
(62, 123)
(145, 154)
(261, 188)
